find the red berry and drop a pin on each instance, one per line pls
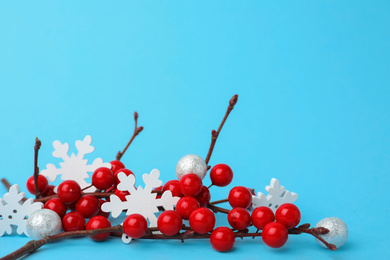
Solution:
(42, 184)
(88, 205)
(73, 221)
(169, 222)
(116, 165)
(96, 223)
(49, 191)
(288, 214)
(221, 175)
(125, 171)
(275, 234)
(56, 205)
(69, 191)
(204, 196)
(190, 184)
(186, 205)
(222, 239)
(103, 178)
(102, 213)
(135, 226)
(174, 187)
(202, 220)
(240, 196)
(122, 194)
(239, 218)
(261, 216)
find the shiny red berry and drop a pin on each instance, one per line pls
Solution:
(261, 216)
(49, 191)
(190, 184)
(239, 218)
(88, 205)
(174, 187)
(240, 196)
(56, 205)
(135, 226)
(42, 184)
(288, 214)
(186, 205)
(116, 165)
(202, 220)
(169, 222)
(73, 221)
(122, 194)
(274, 234)
(103, 178)
(69, 191)
(221, 175)
(204, 196)
(222, 239)
(125, 171)
(98, 222)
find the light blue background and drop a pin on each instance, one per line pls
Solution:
(313, 110)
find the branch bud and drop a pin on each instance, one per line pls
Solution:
(233, 100)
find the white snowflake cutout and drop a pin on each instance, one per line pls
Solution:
(74, 167)
(13, 212)
(140, 200)
(277, 195)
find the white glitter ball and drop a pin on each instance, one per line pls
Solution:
(191, 163)
(338, 231)
(43, 222)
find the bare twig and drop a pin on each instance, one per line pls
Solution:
(216, 209)
(137, 130)
(37, 146)
(219, 201)
(214, 134)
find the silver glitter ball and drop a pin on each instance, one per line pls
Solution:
(43, 222)
(338, 231)
(191, 163)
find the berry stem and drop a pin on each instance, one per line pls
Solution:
(86, 187)
(314, 232)
(216, 209)
(219, 201)
(37, 146)
(137, 130)
(214, 134)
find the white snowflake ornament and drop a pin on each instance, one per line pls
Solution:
(277, 195)
(13, 212)
(141, 200)
(74, 167)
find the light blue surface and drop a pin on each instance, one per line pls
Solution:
(313, 111)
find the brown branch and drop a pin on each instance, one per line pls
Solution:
(35, 244)
(216, 209)
(314, 232)
(6, 184)
(137, 130)
(214, 134)
(37, 146)
(218, 201)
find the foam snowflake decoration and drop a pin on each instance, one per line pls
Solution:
(140, 200)
(74, 167)
(14, 212)
(277, 195)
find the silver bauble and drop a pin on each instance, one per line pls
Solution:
(338, 231)
(43, 222)
(191, 163)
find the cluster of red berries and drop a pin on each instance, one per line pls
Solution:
(82, 206)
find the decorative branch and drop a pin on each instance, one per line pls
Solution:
(117, 231)
(218, 201)
(35, 244)
(6, 184)
(214, 134)
(216, 209)
(137, 130)
(37, 146)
